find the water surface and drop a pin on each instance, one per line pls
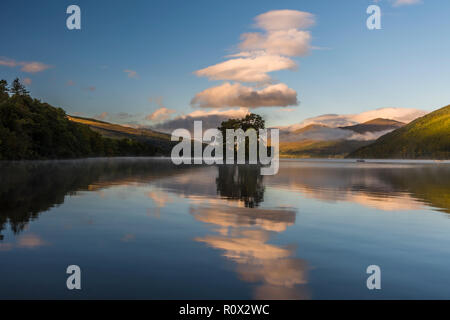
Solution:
(143, 228)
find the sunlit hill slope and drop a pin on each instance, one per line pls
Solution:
(427, 137)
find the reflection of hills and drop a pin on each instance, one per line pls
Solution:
(384, 186)
(32, 187)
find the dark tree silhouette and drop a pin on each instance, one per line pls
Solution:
(18, 89)
(250, 121)
(3, 90)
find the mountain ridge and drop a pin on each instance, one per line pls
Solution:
(375, 125)
(427, 137)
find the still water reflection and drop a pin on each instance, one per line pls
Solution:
(143, 228)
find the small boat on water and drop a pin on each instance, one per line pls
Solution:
(360, 160)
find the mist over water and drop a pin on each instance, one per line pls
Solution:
(145, 228)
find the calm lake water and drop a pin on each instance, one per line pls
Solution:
(143, 228)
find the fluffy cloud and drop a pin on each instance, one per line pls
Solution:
(27, 81)
(160, 115)
(283, 33)
(290, 42)
(267, 51)
(398, 3)
(282, 36)
(237, 95)
(30, 67)
(250, 69)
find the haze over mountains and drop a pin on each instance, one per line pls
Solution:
(427, 137)
(335, 135)
(330, 135)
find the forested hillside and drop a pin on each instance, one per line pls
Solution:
(31, 129)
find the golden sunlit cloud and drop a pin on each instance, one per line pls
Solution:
(160, 114)
(282, 37)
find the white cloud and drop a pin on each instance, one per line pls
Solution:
(237, 95)
(290, 42)
(398, 3)
(283, 33)
(251, 69)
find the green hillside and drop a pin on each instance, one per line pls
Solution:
(427, 137)
(114, 131)
(31, 129)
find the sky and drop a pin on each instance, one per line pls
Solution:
(144, 63)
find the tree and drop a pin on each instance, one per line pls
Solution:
(250, 121)
(31, 129)
(3, 90)
(18, 89)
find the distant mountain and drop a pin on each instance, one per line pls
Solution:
(375, 125)
(427, 137)
(404, 115)
(316, 132)
(309, 128)
(321, 141)
(320, 149)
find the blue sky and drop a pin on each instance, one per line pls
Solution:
(349, 68)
